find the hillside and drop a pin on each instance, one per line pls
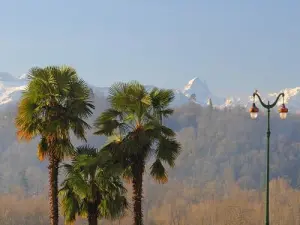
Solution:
(213, 142)
(218, 141)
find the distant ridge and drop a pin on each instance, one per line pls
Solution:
(11, 88)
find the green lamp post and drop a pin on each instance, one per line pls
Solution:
(253, 114)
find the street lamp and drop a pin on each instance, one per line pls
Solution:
(253, 114)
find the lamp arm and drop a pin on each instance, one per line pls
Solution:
(275, 102)
(268, 106)
(260, 100)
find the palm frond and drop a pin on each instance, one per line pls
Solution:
(108, 122)
(89, 184)
(79, 127)
(168, 150)
(117, 96)
(70, 204)
(166, 112)
(27, 122)
(62, 148)
(82, 108)
(86, 150)
(113, 207)
(54, 102)
(158, 172)
(42, 149)
(161, 98)
(127, 174)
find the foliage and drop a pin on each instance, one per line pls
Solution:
(54, 102)
(91, 189)
(134, 129)
(134, 126)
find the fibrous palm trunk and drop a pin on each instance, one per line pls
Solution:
(92, 214)
(53, 189)
(92, 219)
(137, 184)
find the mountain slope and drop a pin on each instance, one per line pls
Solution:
(212, 141)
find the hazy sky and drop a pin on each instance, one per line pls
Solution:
(235, 47)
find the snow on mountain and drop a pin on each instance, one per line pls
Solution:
(10, 88)
(195, 90)
(197, 87)
(200, 92)
(231, 102)
(291, 98)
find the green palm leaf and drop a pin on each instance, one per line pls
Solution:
(92, 185)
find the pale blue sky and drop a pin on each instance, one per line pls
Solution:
(234, 45)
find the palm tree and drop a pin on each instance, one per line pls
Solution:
(54, 103)
(91, 190)
(134, 126)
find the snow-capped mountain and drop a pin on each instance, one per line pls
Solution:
(10, 88)
(195, 90)
(291, 99)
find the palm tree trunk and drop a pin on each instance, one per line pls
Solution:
(92, 219)
(53, 189)
(92, 214)
(137, 184)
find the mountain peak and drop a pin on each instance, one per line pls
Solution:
(198, 89)
(195, 83)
